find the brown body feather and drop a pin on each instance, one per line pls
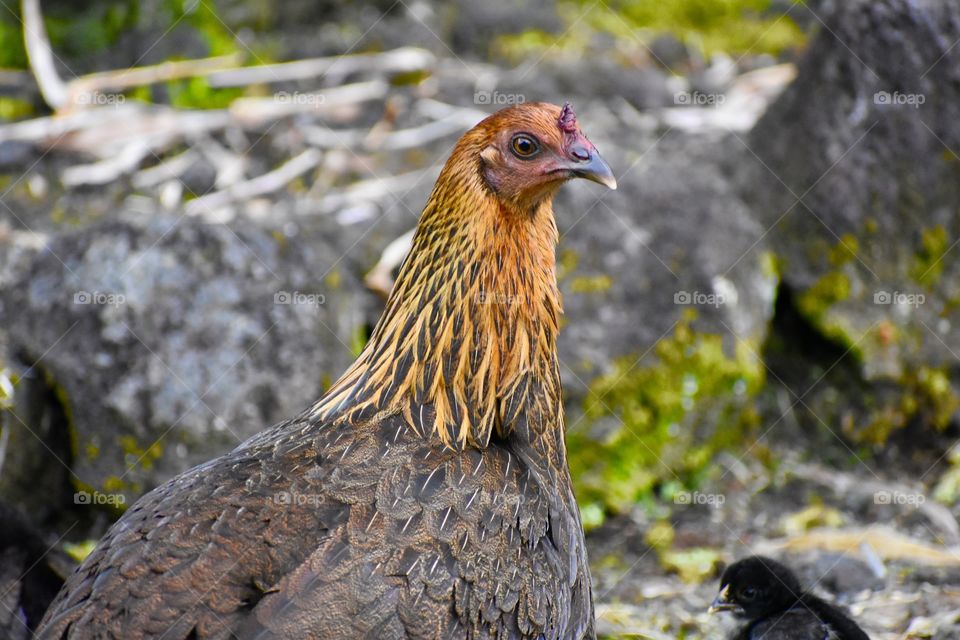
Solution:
(426, 495)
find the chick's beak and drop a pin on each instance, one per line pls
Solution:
(723, 602)
(585, 162)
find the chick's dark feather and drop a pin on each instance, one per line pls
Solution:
(426, 495)
(768, 595)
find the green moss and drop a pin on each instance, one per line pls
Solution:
(815, 516)
(923, 395)
(640, 429)
(114, 483)
(196, 93)
(358, 340)
(947, 489)
(281, 239)
(694, 565)
(410, 78)
(141, 94)
(567, 262)
(928, 263)
(15, 109)
(770, 266)
(591, 284)
(79, 550)
(333, 280)
(845, 251)
(138, 456)
(815, 303)
(831, 288)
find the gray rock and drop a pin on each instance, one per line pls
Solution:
(169, 342)
(841, 574)
(866, 139)
(671, 52)
(675, 237)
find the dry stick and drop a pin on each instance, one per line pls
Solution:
(135, 120)
(372, 190)
(167, 170)
(106, 170)
(257, 110)
(263, 184)
(40, 55)
(402, 60)
(395, 140)
(446, 119)
(118, 80)
(158, 127)
(380, 278)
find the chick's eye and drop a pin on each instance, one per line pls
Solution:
(748, 593)
(524, 146)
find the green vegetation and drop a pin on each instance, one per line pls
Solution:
(71, 33)
(78, 33)
(196, 93)
(591, 284)
(638, 434)
(731, 26)
(94, 29)
(928, 263)
(12, 53)
(736, 27)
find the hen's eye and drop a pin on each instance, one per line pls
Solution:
(524, 146)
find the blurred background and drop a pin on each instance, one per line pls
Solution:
(203, 204)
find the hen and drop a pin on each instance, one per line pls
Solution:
(427, 493)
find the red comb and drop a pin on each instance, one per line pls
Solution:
(568, 119)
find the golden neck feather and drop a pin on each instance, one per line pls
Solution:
(467, 343)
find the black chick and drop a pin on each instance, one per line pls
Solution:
(769, 597)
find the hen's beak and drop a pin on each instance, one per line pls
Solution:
(596, 169)
(723, 602)
(587, 163)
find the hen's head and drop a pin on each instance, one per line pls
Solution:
(755, 587)
(527, 151)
